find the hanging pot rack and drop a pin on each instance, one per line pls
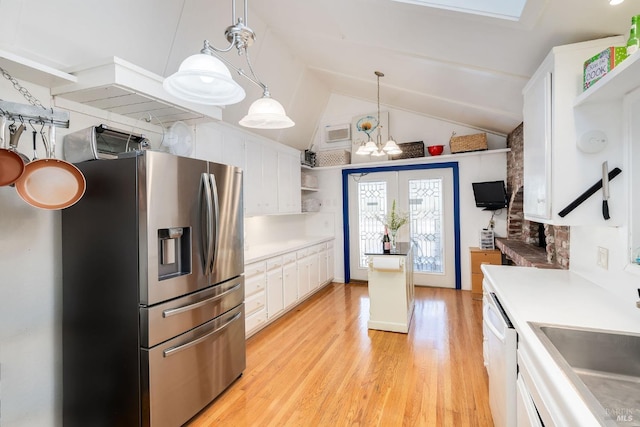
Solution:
(29, 113)
(36, 112)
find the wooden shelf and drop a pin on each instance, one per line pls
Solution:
(615, 85)
(417, 160)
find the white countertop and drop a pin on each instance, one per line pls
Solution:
(261, 252)
(561, 297)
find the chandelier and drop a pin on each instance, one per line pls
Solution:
(203, 78)
(376, 148)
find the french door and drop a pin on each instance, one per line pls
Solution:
(426, 195)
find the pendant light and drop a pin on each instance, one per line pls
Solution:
(376, 149)
(205, 79)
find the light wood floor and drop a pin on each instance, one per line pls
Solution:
(319, 365)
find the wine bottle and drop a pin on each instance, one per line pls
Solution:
(386, 242)
(633, 42)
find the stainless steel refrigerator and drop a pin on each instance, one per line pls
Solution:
(153, 290)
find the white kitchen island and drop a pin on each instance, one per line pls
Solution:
(391, 289)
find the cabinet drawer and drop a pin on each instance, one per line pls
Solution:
(255, 302)
(289, 258)
(274, 263)
(254, 285)
(254, 269)
(487, 257)
(255, 321)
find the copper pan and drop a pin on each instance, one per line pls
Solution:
(11, 164)
(50, 183)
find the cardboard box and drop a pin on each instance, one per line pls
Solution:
(596, 67)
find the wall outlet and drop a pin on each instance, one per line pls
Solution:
(603, 257)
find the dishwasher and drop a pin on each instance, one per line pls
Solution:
(499, 351)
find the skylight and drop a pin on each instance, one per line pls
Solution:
(511, 9)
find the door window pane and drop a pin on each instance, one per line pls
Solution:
(425, 219)
(372, 204)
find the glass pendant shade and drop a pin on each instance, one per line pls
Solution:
(362, 150)
(370, 146)
(391, 147)
(204, 79)
(378, 153)
(266, 113)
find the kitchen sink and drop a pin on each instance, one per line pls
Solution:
(603, 365)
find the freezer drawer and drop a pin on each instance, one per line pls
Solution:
(167, 320)
(183, 375)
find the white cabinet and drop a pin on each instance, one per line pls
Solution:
(275, 289)
(391, 293)
(290, 279)
(289, 197)
(219, 144)
(556, 172)
(331, 271)
(303, 273)
(272, 180)
(260, 179)
(323, 272)
(537, 136)
(280, 282)
(526, 412)
(255, 299)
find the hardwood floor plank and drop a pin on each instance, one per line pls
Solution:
(319, 365)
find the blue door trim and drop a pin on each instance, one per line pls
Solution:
(456, 208)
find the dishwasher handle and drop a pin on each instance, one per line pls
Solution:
(490, 325)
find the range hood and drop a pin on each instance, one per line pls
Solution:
(119, 87)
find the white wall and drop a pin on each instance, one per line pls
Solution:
(407, 127)
(31, 287)
(620, 277)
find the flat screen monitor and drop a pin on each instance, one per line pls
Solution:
(490, 195)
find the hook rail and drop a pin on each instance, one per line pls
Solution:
(24, 112)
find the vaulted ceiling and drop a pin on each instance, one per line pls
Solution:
(458, 66)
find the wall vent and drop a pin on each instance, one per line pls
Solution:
(338, 133)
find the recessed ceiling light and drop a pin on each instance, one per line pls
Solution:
(615, 2)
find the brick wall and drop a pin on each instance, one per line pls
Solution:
(557, 237)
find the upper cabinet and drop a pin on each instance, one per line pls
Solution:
(557, 170)
(271, 178)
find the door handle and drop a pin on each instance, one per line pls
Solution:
(216, 219)
(173, 350)
(206, 221)
(189, 307)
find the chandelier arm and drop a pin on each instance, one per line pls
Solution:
(209, 49)
(253, 73)
(240, 71)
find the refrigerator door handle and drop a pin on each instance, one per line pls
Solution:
(216, 219)
(189, 307)
(206, 222)
(173, 350)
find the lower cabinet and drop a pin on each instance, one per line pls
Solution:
(275, 289)
(255, 297)
(277, 284)
(290, 280)
(479, 257)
